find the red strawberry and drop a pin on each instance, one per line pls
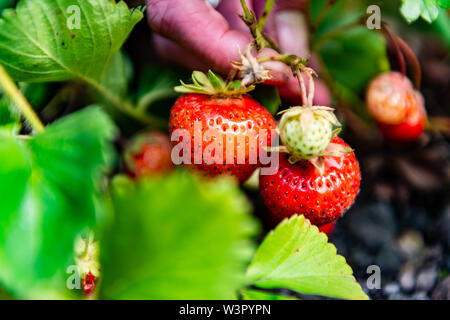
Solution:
(299, 188)
(89, 283)
(411, 128)
(149, 153)
(390, 96)
(228, 118)
(327, 228)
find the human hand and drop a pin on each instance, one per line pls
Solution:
(194, 34)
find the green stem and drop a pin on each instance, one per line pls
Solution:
(153, 96)
(20, 101)
(126, 107)
(265, 14)
(323, 13)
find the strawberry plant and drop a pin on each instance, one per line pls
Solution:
(125, 179)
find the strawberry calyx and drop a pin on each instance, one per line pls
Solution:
(314, 127)
(213, 85)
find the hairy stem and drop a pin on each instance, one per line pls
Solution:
(20, 101)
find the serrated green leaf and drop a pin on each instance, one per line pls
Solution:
(38, 45)
(250, 294)
(52, 183)
(190, 239)
(297, 256)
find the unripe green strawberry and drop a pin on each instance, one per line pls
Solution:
(307, 131)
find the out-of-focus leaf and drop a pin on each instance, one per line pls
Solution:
(427, 9)
(267, 96)
(443, 4)
(298, 257)
(355, 57)
(36, 93)
(118, 74)
(51, 184)
(251, 294)
(156, 87)
(4, 4)
(9, 118)
(176, 237)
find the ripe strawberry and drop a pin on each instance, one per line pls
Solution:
(227, 117)
(89, 282)
(149, 153)
(390, 97)
(411, 128)
(300, 188)
(327, 228)
(307, 131)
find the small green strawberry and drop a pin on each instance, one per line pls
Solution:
(307, 131)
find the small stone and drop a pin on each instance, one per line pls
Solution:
(391, 288)
(373, 226)
(421, 295)
(398, 296)
(410, 243)
(407, 278)
(426, 279)
(442, 290)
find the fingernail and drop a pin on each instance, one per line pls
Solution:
(292, 33)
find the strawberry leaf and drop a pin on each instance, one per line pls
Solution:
(250, 294)
(60, 40)
(298, 257)
(52, 185)
(427, 9)
(9, 118)
(194, 246)
(41, 40)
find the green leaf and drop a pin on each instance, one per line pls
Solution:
(9, 118)
(52, 184)
(250, 294)
(427, 9)
(216, 82)
(156, 87)
(38, 45)
(118, 74)
(268, 96)
(298, 257)
(190, 239)
(443, 4)
(354, 57)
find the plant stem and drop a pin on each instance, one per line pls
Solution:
(400, 57)
(153, 96)
(127, 107)
(413, 62)
(323, 13)
(20, 101)
(265, 14)
(301, 82)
